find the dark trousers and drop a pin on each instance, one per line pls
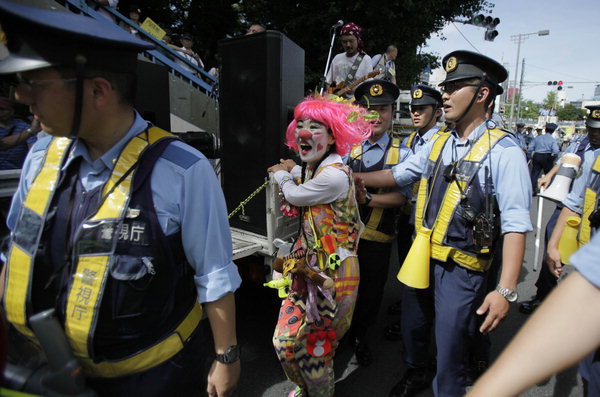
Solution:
(416, 323)
(546, 280)
(458, 292)
(183, 375)
(540, 161)
(374, 263)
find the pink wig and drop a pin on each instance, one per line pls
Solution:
(346, 122)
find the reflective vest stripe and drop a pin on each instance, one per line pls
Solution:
(371, 231)
(589, 205)
(452, 197)
(30, 222)
(85, 296)
(150, 357)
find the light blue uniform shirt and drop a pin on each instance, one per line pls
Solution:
(510, 176)
(587, 260)
(420, 141)
(574, 200)
(186, 195)
(544, 143)
(372, 153)
(521, 139)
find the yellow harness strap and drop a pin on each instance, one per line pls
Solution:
(371, 231)
(452, 197)
(28, 232)
(589, 205)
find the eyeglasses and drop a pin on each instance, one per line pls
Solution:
(30, 85)
(453, 86)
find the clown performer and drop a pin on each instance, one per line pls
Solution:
(313, 317)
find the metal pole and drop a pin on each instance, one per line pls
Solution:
(512, 101)
(324, 78)
(520, 90)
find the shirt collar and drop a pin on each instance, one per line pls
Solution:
(427, 136)
(472, 137)
(382, 142)
(108, 159)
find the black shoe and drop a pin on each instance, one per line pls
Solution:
(413, 381)
(395, 308)
(363, 355)
(393, 332)
(530, 306)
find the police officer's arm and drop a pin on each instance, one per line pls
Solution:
(383, 178)
(545, 180)
(222, 378)
(495, 305)
(402, 174)
(573, 204)
(553, 260)
(386, 200)
(513, 192)
(571, 309)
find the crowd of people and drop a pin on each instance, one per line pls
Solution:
(111, 230)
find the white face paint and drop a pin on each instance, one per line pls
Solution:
(313, 140)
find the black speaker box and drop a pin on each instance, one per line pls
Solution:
(152, 94)
(262, 80)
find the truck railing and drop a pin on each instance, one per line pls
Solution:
(247, 243)
(157, 55)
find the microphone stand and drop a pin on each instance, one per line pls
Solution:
(324, 78)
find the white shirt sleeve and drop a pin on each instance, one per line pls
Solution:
(329, 185)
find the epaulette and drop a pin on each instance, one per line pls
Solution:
(180, 156)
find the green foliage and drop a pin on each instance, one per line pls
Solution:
(571, 113)
(551, 100)
(405, 23)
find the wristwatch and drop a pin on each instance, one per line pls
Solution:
(231, 355)
(368, 198)
(510, 295)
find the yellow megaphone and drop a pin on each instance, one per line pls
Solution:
(567, 245)
(415, 269)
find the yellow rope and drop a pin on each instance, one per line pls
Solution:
(243, 203)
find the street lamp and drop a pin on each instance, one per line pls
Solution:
(519, 38)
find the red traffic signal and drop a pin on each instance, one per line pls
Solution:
(560, 82)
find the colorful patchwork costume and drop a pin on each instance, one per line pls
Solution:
(313, 318)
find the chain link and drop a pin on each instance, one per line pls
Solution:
(243, 203)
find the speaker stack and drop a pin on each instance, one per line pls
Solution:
(261, 82)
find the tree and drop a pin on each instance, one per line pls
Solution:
(551, 100)
(571, 113)
(407, 24)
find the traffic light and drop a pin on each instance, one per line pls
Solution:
(487, 22)
(558, 83)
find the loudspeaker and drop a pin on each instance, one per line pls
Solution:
(262, 81)
(561, 184)
(152, 94)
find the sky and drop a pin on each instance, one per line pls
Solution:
(570, 53)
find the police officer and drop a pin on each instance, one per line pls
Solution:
(416, 314)
(543, 149)
(425, 112)
(462, 175)
(591, 142)
(378, 208)
(520, 136)
(110, 225)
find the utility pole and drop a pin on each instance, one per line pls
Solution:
(519, 38)
(520, 90)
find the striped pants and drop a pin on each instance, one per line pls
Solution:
(292, 333)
